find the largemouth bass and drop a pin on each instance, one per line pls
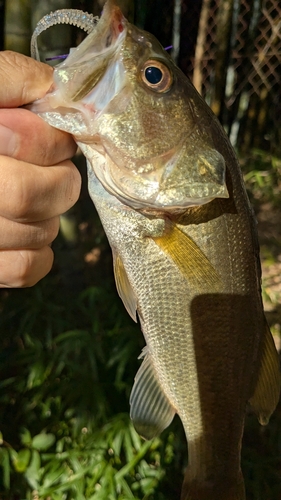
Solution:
(171, 198)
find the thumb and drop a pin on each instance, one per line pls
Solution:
(23, 79)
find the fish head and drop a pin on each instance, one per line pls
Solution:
(121, 96)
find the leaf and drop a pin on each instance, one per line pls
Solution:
(22, 460)
(125, 488)
(52, 475)
(136, 440)
(13, 455)
(36, 375)
(32, 472)
(117, 442)
(5, 462)
(43, 441)
(25, 437)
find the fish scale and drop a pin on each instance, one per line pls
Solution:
(159, 326)
(170, 195)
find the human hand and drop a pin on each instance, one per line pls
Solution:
(37, 181)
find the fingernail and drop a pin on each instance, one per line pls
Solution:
(8, 141)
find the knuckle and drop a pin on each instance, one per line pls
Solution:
(24, 268)
(43, 154)
(52, 229)
(35, 235)
(32, 266)
(21, 202)
(25, 264)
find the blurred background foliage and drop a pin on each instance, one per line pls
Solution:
(68, 351)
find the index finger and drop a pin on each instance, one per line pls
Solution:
(23, 79)
(30, 193)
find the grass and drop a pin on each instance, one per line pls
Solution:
(68, 357)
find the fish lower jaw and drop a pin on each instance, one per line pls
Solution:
(152, 192)
(151, 199)
(154, 207)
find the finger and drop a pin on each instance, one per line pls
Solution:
(25, 136)
(23, 268)
(29, 193)
(23, 79)
(15, 235)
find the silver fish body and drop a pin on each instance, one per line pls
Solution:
(204, 342)
(171, 198)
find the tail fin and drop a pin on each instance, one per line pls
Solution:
(213, 490)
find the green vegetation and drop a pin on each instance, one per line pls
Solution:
(262, 173)
(68, 352)
(68, 359)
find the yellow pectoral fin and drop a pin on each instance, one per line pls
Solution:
(189, 258)
(267, 390)
(123, 286)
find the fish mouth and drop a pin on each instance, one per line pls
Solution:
(92, 82)
(91, 75)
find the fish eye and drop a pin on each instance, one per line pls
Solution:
(156, 76)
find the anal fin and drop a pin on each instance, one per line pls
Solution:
(151, 411)
(267, 390)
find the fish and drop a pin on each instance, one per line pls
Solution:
(170, 194)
